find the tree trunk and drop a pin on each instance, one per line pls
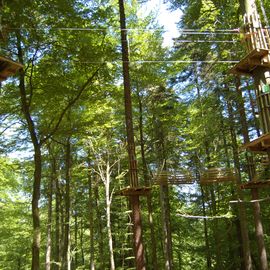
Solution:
(37, 163)
(206, 237)
(99, 225)
(133, 173)
(107, 181)
(49, 225)
(81, 241)
(57, 225)
(264, 13)
(147, 183)
(76, 229)
(241, 206)
(166, 223)
(91, 218)
(254, 192)
(235, 222)
(66, 245)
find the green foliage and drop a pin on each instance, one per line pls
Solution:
(15, 225)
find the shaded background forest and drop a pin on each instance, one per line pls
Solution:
(63, 118)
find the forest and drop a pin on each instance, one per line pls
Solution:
(119, 152)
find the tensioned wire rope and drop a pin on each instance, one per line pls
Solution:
(183, 31)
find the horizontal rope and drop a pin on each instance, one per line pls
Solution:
(192, 31)
(162, 61)
(252, 201)
(204, 217)
(206, 41)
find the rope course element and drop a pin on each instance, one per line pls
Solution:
(184, 31)
(206, 41)
(205, 217)
(252, 201)
(162, 61)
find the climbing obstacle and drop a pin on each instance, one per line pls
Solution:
(217, 175)
(257, 43)
(134, 191)
(172, 178)
(260, 145)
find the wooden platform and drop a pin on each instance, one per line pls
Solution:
(256, 184)
(134, 191)
(257, 57)
(259, 145)
(8, 68)
(217, 175)
(172, 178)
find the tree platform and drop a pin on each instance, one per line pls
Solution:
(8, 68)
(259, 145)
(134, 191)
(256, 184)
(257, 57)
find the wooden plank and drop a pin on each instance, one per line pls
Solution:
(217, 175)
(134, 191)
(255, 184)
(260, 144)
(250, 62)
(172, 178)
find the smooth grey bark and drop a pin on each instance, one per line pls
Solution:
(91, 217)
(49, 222)
(66, 244)
(100, 226)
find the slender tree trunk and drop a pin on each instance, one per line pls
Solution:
(133, 173)
(76, 238)
(107, 181)
(254, 192)
(49, 225)
(166, 223)
(241, 206)
(235, 222)
(37, 163)
(91, 219)
(57, 225)
(81, 241)
(216, 230)
(99, 225)
(66, 246)
(264, 13)
(147, 183)
(206, 237)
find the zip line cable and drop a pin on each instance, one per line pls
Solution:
(162, 61)
(184, 31)
(206, 41)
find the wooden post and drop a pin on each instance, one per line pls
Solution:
(133, 175)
